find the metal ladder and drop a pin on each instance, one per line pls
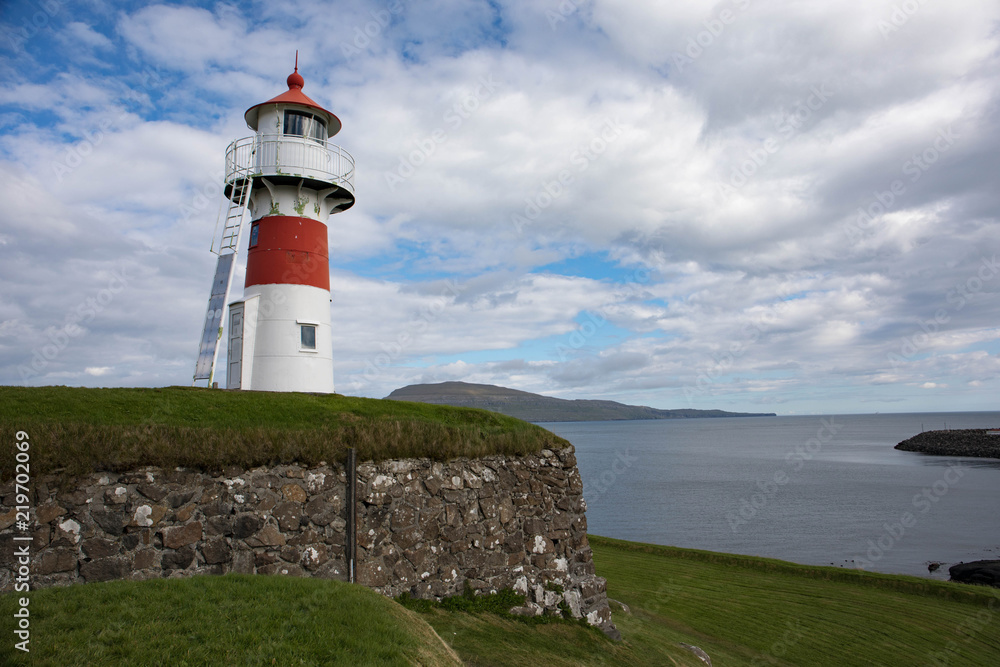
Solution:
(225, 245)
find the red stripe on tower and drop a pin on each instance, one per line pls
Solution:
(288, 250)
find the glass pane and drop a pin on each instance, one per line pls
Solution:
(253, 235)
(318, 129)
(295, 123)
(308, 337)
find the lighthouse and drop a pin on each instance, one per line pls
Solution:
(289, 178)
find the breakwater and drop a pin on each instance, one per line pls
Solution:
(976, 442)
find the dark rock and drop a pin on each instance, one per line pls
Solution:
(322, 511)
(180, 536)
(112, 523)
(146, 559)
(219, 525)
(243, 562)
(98, 548)
(55, 560)
(247, 525)
(152, 491)
(961, 442)
(104, 569)
(268, 536)
(49, 511)
(264, 558)
(179, 498)
(131, 540)
(289, 514)
(984, 572)
(216, 507)
(216, 551)
(177, 560)
(372, 573)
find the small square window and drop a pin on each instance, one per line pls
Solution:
(308, 333)
(253, 234)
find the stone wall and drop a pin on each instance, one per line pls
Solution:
(428, 528)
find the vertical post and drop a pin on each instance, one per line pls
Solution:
(352, 515)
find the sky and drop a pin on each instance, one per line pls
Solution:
(783, 207)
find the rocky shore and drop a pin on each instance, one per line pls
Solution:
(963, 442)
(983, 572)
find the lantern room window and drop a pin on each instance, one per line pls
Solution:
(302, 124)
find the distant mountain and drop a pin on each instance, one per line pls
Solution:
(537, 408)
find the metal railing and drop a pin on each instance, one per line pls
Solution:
(285, 155)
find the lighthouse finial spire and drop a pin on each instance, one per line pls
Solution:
(295, 79)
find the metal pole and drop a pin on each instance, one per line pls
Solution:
(352, 515)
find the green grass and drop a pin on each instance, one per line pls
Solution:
(230, 620)
(746, 611)
(739, 609)
(77, 430)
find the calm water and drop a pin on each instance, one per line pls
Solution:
(813, 490)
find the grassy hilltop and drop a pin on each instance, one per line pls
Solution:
(742, 611)
(79, 430)
(538, 408)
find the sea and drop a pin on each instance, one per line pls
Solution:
(818, 490)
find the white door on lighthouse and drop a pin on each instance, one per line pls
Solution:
(235, 351)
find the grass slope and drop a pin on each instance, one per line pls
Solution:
(230, 620)
(739, 609)
(747, 611)
(81, 430)
(751, 611)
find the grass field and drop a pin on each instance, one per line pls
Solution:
(747, 611)
(740, 610)
(231, 620)
(80, 430)
(754, 611)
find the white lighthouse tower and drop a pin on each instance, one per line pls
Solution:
(290, 179)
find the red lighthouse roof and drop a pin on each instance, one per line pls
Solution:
(294, 95)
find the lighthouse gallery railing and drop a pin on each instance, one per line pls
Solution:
(284, 155)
